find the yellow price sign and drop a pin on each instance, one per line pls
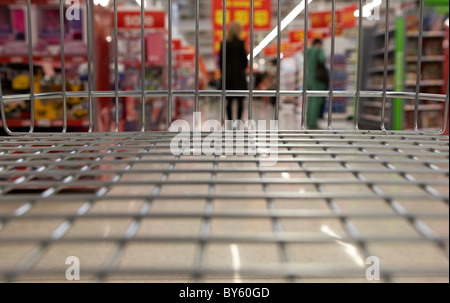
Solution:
(239, 11)
(244, 35)
(261, 17)
(242, 16)
(348, 16)
(217, 46)
(219, 17)
(297, 36)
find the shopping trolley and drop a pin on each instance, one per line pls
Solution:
(336, 203)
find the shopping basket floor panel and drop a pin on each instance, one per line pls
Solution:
(132, 211)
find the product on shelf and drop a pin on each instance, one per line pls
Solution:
(379, 61)
(377, 80)
(340, 77)
(432, 71)
(432, 46)
(12, 31)
(432, 21)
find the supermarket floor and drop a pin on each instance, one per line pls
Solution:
(154, 217)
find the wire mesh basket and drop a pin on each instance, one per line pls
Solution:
(131, 210)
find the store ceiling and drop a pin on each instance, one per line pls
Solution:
(185, 23)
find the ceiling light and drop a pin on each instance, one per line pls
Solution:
(368, 8)
(274, 33)
(103, 3)
(139, 2)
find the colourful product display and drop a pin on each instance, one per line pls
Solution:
(12, 31)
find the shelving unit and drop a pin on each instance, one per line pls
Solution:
(426, 59)
(432, 69)
(21, 123)
(402, 72)
(14, 60)
(380, 51)
(428, 34)
(48, 113)
(380, 69)
(351, 60)
(425, 83)
(53, 59)
(373, 75)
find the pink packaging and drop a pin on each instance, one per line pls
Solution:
(155, 49)
(13, 32)
(12, 25)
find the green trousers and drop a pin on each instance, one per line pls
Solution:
(313, 111)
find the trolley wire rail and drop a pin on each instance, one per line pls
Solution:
(131, 210)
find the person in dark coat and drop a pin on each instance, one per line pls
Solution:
(236, 64)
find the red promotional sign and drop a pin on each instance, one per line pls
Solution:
(239, 10)
(298, 35)
(345, 18)
(339, 29)
(288, 49)
(176, 44)
(132, 19)
(321, 19)
(187, 57)
(270, 50)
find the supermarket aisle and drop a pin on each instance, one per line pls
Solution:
(290, 115)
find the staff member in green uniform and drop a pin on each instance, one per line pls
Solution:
(316, 55)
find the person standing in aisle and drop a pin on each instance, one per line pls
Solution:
(236, 64)
(316, 81)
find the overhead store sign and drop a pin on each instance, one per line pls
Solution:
(322, 19)
(176, 44)
(298, 35)
(288, 49)
(338, 31)
(132, 19)
(345, 18)
(239, 10)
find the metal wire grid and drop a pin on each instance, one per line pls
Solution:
(404, 177)
(383, 193)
